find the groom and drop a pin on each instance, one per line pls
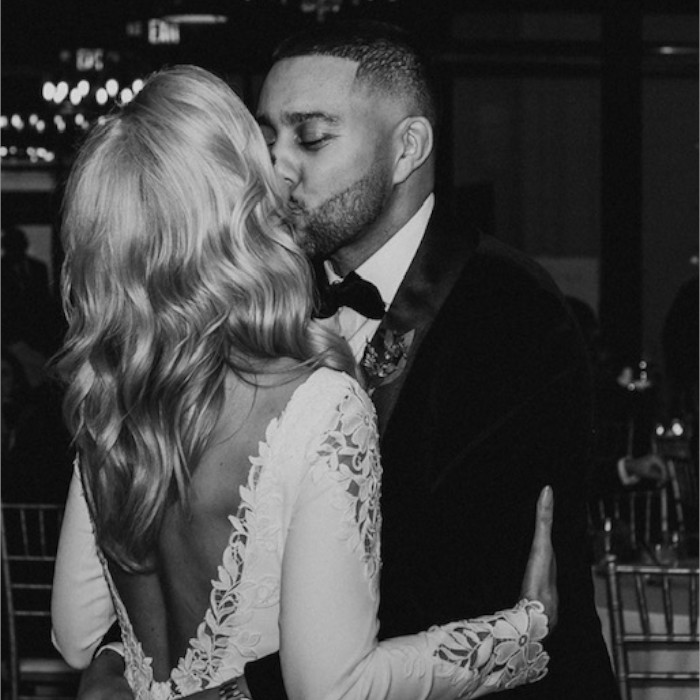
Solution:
(477, 370)
(485, 396)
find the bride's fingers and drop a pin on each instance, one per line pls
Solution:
(540, 578)
(542, 540)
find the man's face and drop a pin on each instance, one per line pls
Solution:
(329, 141)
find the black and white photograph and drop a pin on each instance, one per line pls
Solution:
(349, 349)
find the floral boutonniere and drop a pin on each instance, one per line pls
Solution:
(385, 358)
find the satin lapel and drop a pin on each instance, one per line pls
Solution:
(431, 276)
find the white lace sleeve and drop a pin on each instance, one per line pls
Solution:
(330, 577)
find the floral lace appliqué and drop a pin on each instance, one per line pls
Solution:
(349, 454)
(231, 602)
(500, 651)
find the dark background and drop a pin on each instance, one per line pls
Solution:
(569, 129)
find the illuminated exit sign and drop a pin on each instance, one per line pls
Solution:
(162, 32)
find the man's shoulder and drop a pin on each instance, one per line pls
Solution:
(503, 293)
(500, 263)
(496, 270)
(488, 274)
(513, 264)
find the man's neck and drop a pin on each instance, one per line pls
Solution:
(349, 258)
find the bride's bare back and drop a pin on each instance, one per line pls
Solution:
(167, 606)
(299, 573)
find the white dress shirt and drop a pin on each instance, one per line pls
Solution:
(385, 269)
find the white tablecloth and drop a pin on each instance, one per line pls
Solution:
(657, 659)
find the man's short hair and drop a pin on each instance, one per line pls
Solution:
(389, 60)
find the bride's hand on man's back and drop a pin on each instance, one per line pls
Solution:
(540, 580)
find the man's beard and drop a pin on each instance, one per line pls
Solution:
(344, 217)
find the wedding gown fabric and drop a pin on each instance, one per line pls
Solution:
(301, 574)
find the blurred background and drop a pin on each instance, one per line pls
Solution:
(570, 130)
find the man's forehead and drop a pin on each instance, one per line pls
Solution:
(311, 80)
(301, 88)
(315, 66)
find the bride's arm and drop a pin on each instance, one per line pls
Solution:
(330, 573)
(81, 606)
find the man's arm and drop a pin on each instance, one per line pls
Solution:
(104, 679)
(649, 466)
(264, 679)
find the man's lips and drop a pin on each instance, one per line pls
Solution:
(295, 208)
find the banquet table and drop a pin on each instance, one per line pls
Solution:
(658, 659)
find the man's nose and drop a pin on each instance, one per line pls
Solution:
(287, 171)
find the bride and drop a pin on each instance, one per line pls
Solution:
(190, 348)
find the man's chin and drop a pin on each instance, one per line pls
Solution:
(300, 223)
(304, 240)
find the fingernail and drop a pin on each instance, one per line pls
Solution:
(547, 496)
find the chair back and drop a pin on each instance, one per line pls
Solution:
(642, 524)
(634, 592)
(682, 466)
(30, 534)
(654, 523)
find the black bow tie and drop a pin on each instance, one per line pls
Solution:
(352, 291)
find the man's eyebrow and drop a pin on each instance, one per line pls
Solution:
(296, 118)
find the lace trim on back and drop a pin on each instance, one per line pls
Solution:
(230, 606)
(350, 447)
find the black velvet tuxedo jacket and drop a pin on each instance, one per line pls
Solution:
(494, 403)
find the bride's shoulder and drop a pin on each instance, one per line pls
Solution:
(334, 384)
(327, 396)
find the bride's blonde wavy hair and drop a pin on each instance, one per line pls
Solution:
(179, 268)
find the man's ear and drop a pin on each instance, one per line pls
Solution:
(414, 137)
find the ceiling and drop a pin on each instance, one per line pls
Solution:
(34, 31)
(39, 37)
